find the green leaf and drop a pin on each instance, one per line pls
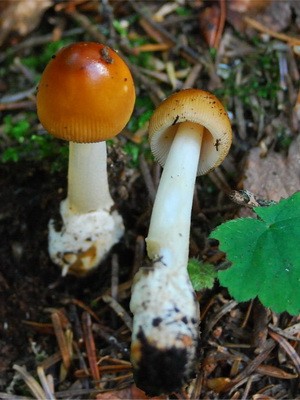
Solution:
(265, 256)
(202, 276)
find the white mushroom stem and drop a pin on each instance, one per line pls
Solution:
(89, 225)
(166, 312)
(87, 178)
(169, 229)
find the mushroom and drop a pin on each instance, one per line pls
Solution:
(86, 95)
(190, 134)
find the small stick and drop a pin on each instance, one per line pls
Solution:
(214, 320)
(83, 366)
(83, 306)
(45, 384)
(90, 346)
(147, 178)
(86, 24)
(293, 41)
(32, 384)
(151, 47)
(61, 340)
(248, 199)
(192, 77)
(288, 348)
(108, 15)
(37, 41)
(186, 51)
(114, 276)
(17, 105)
(139, 251)
(251, 367)
(119, 310)
(221, 24)
(285, 334)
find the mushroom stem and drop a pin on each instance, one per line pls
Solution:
(169, 229)
(165, 309)
(87, 178)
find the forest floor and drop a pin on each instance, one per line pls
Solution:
(249, 58)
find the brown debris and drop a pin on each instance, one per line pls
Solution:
(274, 176)
(20, 16)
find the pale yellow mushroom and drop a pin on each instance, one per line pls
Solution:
(190, 134)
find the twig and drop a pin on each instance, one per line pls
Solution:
(83, 366)
(248, 199)
(224, 310)
(18, 105)
(156, 94)
(86, 24)
(32, 384)
(147, 178)
(80, 373)
(260, 322)
(107, 13)
(90, 346)
(151, 47)
(83, 306)
(291, 352)
(75, 321)
(36, 41)
(287, 333)
(8, 396)
(119, 310)
(186, 51)
(139, 251)
(12, 98)
(251, 367)
(51, 360)
(247, 388)
(293, 41)
(45, 383)
(193, 76)
(61, 340)
(160, 76)
(247, 316)
(221, 24)
(114, 276)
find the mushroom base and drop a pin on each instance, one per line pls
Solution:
(84, 239)
(165, 328)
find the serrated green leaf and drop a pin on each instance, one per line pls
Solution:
(202, 276)
(265, 256)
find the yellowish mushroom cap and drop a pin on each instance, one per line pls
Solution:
(196, 106)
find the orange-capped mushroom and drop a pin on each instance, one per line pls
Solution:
(86, 95)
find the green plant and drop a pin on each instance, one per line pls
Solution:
(38, 61)
(265, 256)
(202, 275)
(260, 77)
(23, 145)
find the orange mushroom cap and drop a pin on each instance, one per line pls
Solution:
(86, 93)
